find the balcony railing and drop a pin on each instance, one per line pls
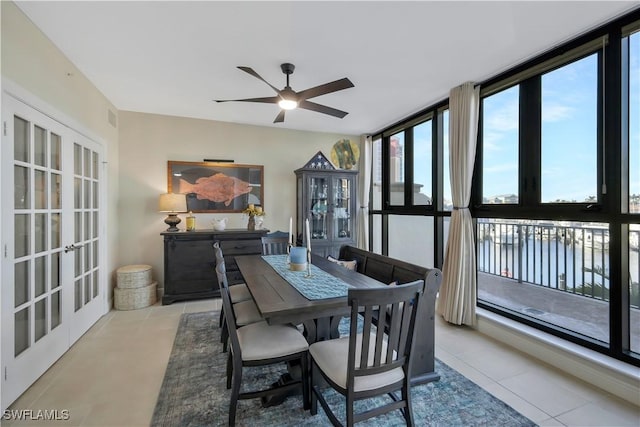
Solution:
(570, 257)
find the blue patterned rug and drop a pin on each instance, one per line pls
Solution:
(194, 392)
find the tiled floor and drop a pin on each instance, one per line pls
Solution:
(112, 375)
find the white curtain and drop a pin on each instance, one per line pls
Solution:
(457, 299)
(362, 234)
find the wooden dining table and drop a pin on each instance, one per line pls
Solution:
(280, 303)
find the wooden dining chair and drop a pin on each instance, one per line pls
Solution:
(275, 243)
(260, 344)
(246, 310)
(375, 361)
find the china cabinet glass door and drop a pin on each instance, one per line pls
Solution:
(341, 209)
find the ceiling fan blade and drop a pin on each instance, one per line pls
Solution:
(268, 100)
(279, 117)
(325, 88)
(308, 105)
(257, 76)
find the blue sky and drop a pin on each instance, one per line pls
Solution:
(569, 135)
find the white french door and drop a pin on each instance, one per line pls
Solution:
(52, 280)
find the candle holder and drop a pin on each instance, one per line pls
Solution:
(289, 253)
(308, 263)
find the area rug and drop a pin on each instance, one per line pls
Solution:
(194, 392)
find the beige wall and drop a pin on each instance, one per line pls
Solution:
(148, 141)
(37, 72)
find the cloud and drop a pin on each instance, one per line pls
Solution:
(553, 112)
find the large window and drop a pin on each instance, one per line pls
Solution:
(569, 133)
(556, 190)
(500, 147)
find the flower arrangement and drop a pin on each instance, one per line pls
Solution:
(253, 210)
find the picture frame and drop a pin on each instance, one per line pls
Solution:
(213, 187)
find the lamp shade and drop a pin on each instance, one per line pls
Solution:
(171, 202)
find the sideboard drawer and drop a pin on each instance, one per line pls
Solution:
(241, 247)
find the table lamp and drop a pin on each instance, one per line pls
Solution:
(172, 204)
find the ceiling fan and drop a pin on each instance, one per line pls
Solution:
(288, 99)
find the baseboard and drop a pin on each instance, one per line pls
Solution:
(611, 375)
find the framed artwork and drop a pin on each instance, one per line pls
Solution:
(217, 187)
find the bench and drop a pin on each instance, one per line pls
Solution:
(389, 270)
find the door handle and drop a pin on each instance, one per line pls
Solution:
(72, 247)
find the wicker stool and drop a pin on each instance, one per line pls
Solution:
(135, 288)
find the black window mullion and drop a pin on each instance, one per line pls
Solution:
(530, 140)
(408, 167)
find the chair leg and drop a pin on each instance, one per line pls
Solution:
(349, 405)
(305, 381)
(229, 370)
(235, 393)
(408, 411)
(221, 319)
(312, 381)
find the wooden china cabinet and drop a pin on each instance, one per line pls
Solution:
(327, 197)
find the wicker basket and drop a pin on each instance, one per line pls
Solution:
(134, 298)
(134, 276)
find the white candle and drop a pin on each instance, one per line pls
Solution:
(308, 235)
(291, 231)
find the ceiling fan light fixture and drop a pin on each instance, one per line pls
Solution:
(288, 104)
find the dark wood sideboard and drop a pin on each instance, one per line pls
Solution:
(189, 262)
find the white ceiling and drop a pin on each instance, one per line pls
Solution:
(175, 57)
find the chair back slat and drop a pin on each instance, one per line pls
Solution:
(275, 243)
(394, 311)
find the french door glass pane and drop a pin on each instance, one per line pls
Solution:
(21, 331)
(40, 146)
(77, 227)
(570, 133)
(40, 190)
(40, 232)
(95, 225)
(40, 275)
(396, 169)
(77, 254)
(21, 283)
(56, 142)
(21, 232)
(87, 288)
(56, 180)
(55, 270)
(55, 310)
(77, 297)
(21, 191)
(55, 230)
(500, 152)
(77, 159)
(87, 225)
(96, 288)
(40, 324)
(95, 166)
(87, 194)
(21, 144)
(422, 164)
(77, 193)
